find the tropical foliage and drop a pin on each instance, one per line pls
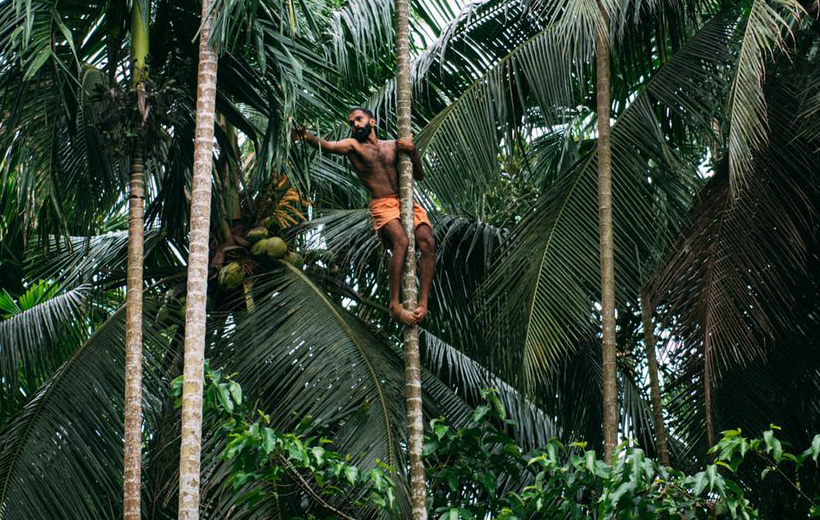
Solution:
(714, 147)
(478, 470)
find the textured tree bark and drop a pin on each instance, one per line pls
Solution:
(132, 457)
(654, 383)
(133, 342)
(415, 422)
(608, 351)
(193, 372)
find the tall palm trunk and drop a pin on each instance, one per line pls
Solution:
(707, 391)
(654, 383)
(132, 462)
(415, 422)
(193, 373)
(610, 384)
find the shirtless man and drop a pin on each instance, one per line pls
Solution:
(376, 164)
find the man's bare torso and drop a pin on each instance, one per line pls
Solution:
(375, 165)
(374, 162)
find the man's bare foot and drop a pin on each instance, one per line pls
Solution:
(420, 313)
(402, 315)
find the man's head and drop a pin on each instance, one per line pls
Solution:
(362, 123)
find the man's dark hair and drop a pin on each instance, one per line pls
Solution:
(365, 110)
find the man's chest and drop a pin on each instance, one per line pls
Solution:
(373, 159)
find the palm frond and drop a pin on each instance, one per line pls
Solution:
(809, 84)
(61, 457)
(739, 279)
(763, 37)
(462, 142)
(468, 45)
(100, 260)
(467, 377)
(741, 252)
(34, 341)
(301, 355)
(465, 253)
(347, 234)
(362, 31)
(548, 281)
(49, 139)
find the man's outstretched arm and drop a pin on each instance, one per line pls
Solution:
(406, 145)
(343, 147)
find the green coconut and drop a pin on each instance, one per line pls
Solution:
(294, 259)
(258, 233)
(275, 247)
(231, 276)
(258, 249)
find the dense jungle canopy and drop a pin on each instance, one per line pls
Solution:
(715, 113)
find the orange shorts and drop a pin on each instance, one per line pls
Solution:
(385, 209)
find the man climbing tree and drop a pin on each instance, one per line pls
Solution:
(375, 163)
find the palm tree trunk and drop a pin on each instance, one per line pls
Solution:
(193, 372)
(608, 352)
(707, 392)
(654, 384)
(412, 363)
(132, 461)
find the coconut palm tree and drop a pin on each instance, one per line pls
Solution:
(410, 342)
(132, 462)
(193, 374)
(608, 349)
(555, 279)
(410, 338)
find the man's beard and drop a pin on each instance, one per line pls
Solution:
(362, 134)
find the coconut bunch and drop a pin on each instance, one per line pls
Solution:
(264, 247)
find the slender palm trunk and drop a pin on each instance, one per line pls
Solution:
(193, 373)
(707, 392)
(132, 462)
(654, 383)
(610, 384)
(415, 422)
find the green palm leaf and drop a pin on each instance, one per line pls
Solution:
(736, 287)
(64, 182)
(34, 340)
(469, 378)
(549, 280)
(100, 259)
(302, 355)
(61, 457)
(728, 276)
(763, 36)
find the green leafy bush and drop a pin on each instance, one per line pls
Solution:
(478, 471)
(260, 454)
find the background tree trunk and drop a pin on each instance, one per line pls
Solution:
(193, 375)
(654, 383)
(608, 351)
(415, 421)
(707, 391)
(132, 460)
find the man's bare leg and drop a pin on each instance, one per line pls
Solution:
(427, 247)
(397, 240)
